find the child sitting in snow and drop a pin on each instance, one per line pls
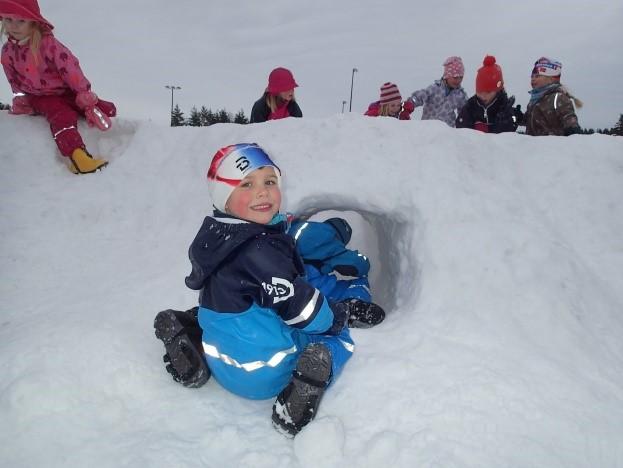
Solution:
(322, 246)
(445, 97)
(278, 100)
(490, 110)
(261, 329)
(49, 81)
(390, 104)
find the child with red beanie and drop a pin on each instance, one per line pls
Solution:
(278, 100)
(490, 110)
(390, 104)
(47, 80)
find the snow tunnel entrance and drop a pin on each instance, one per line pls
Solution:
(386, 239)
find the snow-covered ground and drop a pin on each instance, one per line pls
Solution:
(499, 259)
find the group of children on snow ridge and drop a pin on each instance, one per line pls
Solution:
(550, 110)
(47, 80)
(277, 295)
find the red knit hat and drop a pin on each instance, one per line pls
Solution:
(280, 80)
(489, 77)
(23, 9)
(390, 93)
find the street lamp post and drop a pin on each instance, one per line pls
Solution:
(172, 88)
(352, 80)
(343, 104)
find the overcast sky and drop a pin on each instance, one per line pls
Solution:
(220, 53)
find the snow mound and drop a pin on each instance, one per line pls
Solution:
(497, 257)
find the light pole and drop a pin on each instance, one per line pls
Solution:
(172, 88)
(343, 104)
(352, 80)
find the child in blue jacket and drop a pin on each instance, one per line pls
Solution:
(260, 329)
(338, 272)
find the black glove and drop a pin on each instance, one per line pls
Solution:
(346, 270)
(340, 317)
(518, 116)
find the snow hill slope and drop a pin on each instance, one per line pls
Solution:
(498, 257)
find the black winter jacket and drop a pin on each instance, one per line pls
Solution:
(235, 265)
(498, 116)
(261, 111)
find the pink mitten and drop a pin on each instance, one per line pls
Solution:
(87, 101)
(408, 106)
(95, 117)
(21, 105)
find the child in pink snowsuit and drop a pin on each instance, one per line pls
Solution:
(48, 81)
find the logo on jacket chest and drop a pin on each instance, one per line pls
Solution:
(280, 289)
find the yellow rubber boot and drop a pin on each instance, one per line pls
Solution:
(83, 163)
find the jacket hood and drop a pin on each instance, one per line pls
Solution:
(217, 238)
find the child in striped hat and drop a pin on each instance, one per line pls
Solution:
(390, 104)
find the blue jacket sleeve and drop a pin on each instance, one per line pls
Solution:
(319, 246)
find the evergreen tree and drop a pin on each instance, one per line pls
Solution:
(240, 118)
(618, 127)
(177, 117)
(223, 116)
(207, 116)
(195, 118)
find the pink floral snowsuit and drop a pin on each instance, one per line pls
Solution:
(51, 86)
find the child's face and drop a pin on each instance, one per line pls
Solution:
(540, 80)
(257, 197)
(286, 95)
(486, 96)
(454, 81)
(394, 107)
(18, 28)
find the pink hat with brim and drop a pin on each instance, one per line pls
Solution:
(280, 80)
(24, 9)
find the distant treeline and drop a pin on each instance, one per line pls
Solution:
(205, 117)
(616, 130)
